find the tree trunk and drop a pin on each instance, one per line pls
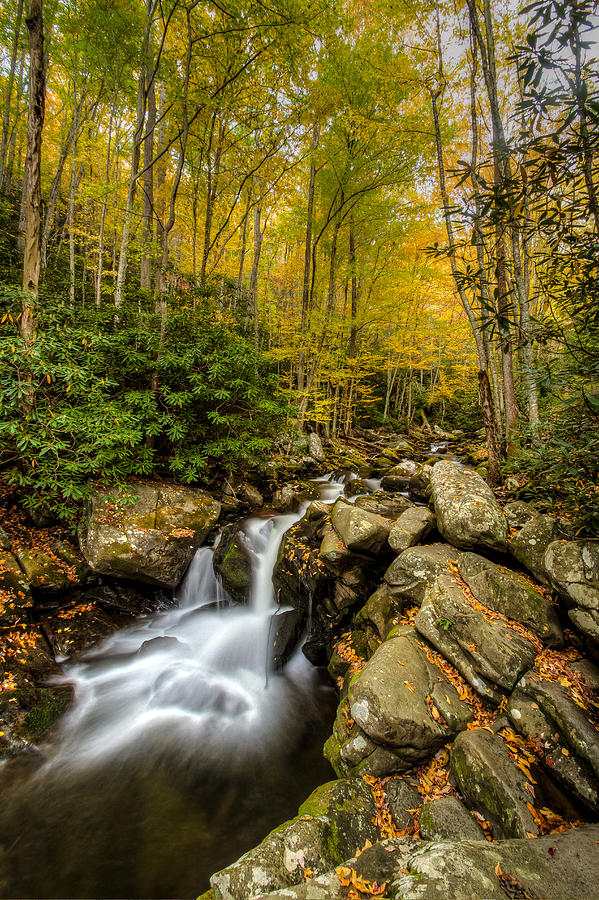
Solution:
(301, 362)
(35, 123)
(8, 98)
(148, 210)
(258, 235)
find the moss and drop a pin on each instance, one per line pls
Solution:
(332, 752)
(207, 895)
(52, 704)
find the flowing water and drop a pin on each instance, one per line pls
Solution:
(182, 748)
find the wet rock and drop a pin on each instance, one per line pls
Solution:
(554, 867)
(409, 575)
(151, 539)
(589, 672)
(232, 563)
(279, 861)
(15, 593)
(384, 504)
(286, 628)
(284, 498)
(448, 819)
(398, 478)
(568, 743)
(333, 551)
(360, 530)
(488, 654)
(78, 627)
(468, 515)
(163, 644)
(389, 707)
(355, 487)
(381, 612)
(315, 448)
(490, 782)
(505, 592)
(251, 495)
(349, 806)
(519, 513)
(411, 528)
(78, 570)
(43, 572)
(572, 568)
(28, 704)
(351, 589)
(587, 621)
(402, 798)
(531, 542)
(125, 599)
(419, 487)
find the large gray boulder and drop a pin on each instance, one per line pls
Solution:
(361, 531)
(531, 542)
(448, 819)
(411, 528)
(554, 867)
(383, 503)
(505, 592)
(572, 568)
(398, 477)
(566, 741)
(489, 654)
(149, 533)
(468, 515)
(492, 784)
(393, 707)
(315, 448)
(416, 568)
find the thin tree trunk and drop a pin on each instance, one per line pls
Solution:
(7, 101)
(35, 123)
(258, 235)
(148, 209)
(301, 362)
(243, 244)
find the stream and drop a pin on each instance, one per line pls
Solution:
(182, 749)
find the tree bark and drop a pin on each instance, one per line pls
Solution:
(7, 102)
(301, 362)
(148, 189)
(33, 197)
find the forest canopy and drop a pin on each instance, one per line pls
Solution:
(223, 221)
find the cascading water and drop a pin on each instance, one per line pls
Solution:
(181, 743)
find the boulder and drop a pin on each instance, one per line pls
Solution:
(315, 448)
(492, 784)
(384, 504)
(531, 542)
(416, 568)
(5, 542)
(151, 538)
(488, 653)
(355, 487)
(419, 487)
(587, 621)
(284, 498)
(279, 861)
(468, 515)
(43, 571)
(381, 612)
(411, 528)
(448, 819)
(505, 592)
(232, 563)
(251, 495)
(402, 798)
(360, 530)
(519, 513)
(398, 477)
(567, 742)
(390, 708)
(349, 807)
(79, 626)
(15, 593)
(572, 568)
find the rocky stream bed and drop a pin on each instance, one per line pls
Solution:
(461, 635)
